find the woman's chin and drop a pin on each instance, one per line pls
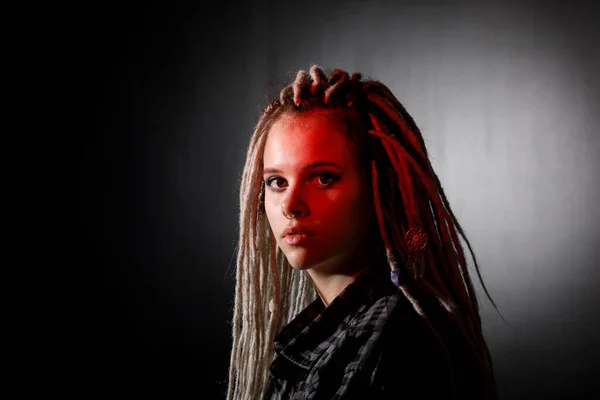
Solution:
(300, 260)
(300, 265)
(303, 262)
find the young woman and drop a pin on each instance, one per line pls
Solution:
(351, 279)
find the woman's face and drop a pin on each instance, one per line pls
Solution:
(311, 169)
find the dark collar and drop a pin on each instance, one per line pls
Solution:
(305, 338)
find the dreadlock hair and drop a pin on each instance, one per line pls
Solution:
(406, 193)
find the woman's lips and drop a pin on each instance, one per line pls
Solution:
(297, 239)
(296, 235)
(295, 230)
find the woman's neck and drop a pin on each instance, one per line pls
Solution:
(329, 286)
(330, 280)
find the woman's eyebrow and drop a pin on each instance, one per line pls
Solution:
(309, 166)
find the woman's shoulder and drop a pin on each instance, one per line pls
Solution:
(399, 316)
(417, 322)
(401, 348)
(387, 309)
(426, 347)
(406, 323)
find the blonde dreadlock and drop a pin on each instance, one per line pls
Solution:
(406, 193)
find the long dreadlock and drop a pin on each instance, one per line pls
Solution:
(406, 193)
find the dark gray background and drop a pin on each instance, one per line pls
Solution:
(506, 95)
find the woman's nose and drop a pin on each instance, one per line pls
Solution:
(295, 202)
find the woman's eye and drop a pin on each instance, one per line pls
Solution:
(278, 182)
(325, 179)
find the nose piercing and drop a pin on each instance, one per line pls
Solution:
(288, 216)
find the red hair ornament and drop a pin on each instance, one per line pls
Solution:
(416, 241)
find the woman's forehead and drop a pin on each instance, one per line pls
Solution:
(304, 139)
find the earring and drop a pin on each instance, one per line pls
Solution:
(416, 241)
